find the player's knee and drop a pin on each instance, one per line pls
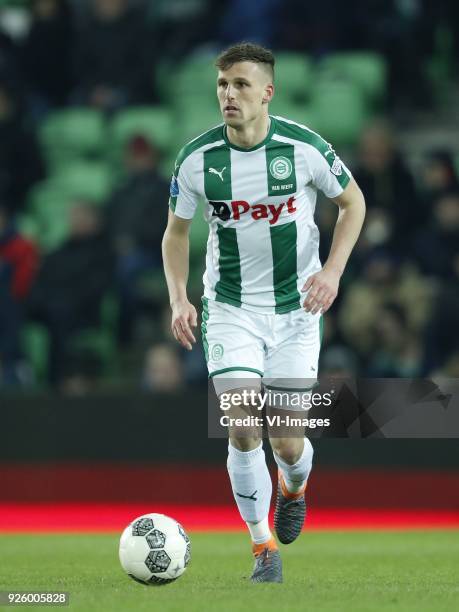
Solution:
(244, 443)
(288, 449)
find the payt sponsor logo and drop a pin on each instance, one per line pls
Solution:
(237, 208)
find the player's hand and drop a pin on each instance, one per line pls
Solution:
(322, 288)
(184, 317)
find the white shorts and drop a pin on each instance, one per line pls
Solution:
(281, 349)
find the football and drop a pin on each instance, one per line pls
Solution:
(154, 549)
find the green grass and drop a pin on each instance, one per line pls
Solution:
(323, 571)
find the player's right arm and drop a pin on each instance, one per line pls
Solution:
(175, 248)
(182, 207)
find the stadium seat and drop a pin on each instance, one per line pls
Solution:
(88, 181)
(293, 76)
(35, 345)
(199, 118)
(284, 107)
(101, 341)
(153, 122)
(46, 218)
(197, 76)
(338, 112)
(77, 133)
(365, 69)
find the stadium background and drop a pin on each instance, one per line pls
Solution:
(98, 405)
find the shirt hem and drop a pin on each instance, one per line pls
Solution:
(274, 309)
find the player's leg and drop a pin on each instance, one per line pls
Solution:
(294, 460)
(252, 490)
(292, 366)
(235, 352)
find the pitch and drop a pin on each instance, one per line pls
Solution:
(323, 571)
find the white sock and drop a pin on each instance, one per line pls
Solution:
(296, 475)
(260, 532)
(251, 482)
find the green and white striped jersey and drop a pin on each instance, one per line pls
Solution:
(259, 203)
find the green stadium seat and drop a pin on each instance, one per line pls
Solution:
(197, 76)
(294, 75)
(197, 120)
(35, 345)
(98, 342)
(28, 226)
(46, 218)
(366, 70)
(88, 181)
(77, 133)
(290, 110)
(101, 340)
(338, 112)
(167, 162)
(153, 122)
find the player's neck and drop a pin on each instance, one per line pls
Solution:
(249, 135)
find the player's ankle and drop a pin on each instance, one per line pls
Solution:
(271, 544)
(292, 491)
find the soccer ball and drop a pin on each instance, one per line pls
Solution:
(154, 549)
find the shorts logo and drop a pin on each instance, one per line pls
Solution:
(217, 352)
(280, 168)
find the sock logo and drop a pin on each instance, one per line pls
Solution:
(252, 496)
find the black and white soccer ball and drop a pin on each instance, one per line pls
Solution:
(154, 549)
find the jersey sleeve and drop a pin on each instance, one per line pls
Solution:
(329, 173)
(183, 199)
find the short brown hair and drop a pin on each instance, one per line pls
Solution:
(246, 52)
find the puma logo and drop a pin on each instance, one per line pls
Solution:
(252, 497)
(218, 172)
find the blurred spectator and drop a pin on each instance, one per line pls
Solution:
(388, 187)
(396, 351)
(21, 164)
(46, 54)
(441, 344)
(438, 177)
(339, 361)
(72, 283)
(163, 370)
(8, 60)
(18, 267)
(81, 374)
(381, 280)
(114, 58)
(182, 27)
(137, 216)
(254, 21)
(436, 246)
(302, 26)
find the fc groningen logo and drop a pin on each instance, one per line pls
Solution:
(217, 352)
(280, 168)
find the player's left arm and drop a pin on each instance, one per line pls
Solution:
(322, 287)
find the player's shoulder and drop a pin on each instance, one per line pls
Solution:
(301, 134)
(208, 138)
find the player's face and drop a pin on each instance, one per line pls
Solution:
(243, 92)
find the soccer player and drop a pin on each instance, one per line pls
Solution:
(264, 286)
